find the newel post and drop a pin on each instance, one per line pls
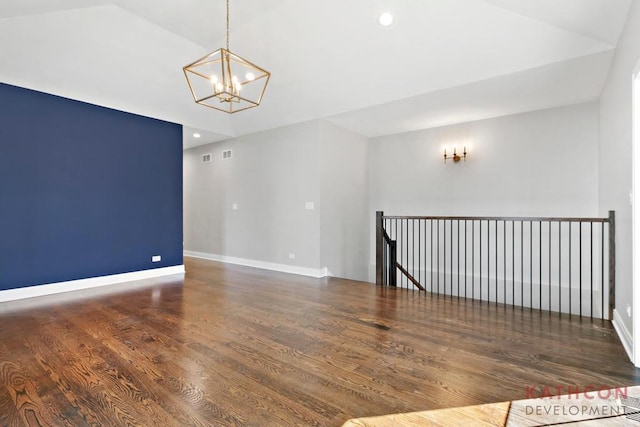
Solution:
(379, 247)
(612, 262)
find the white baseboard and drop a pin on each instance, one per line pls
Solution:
(284, 268)
(92, 282)
(623, 334)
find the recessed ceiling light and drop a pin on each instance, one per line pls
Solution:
(385, 19)
(196, 135)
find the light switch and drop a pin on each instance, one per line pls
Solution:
(309, 206)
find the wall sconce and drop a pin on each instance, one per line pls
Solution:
(455, 156)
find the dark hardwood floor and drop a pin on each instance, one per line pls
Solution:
(240, 346)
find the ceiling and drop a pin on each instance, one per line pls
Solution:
(441, 61)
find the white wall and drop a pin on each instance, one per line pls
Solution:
(271, 177)
(543, 163)
(615, 156)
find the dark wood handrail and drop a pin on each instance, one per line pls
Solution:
(501, 218)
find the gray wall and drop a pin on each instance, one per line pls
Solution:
(270, 178)
(615, 155)
(344, 193)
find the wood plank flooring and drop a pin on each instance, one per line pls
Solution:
(239, 346)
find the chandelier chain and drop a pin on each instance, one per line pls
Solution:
(227, 24)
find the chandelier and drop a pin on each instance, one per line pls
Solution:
(226, 81)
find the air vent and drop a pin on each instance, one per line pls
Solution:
(206, 158)
(226, 154)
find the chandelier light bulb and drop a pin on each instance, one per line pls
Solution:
(235, 85)
(250, 76)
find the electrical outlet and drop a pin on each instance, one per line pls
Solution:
(292, 256)
(234, 206)
(156, 258)
(309, 206)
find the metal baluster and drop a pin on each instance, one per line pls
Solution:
(513, 263)
(406, 242)
(602, 269)
(384, 260)
(451, 256)
(570, 270)
(549, 302)
(444, 257)
(488, 262)
(458, 257)
(531, 265)
(559, 267)
(540, 257)
(401, 246)
(473, 259)
(591, 265)
(431, 253)
(480, 239)
(413, 248)
(496, 262)
(465, 258)
(438, 255)
(580, 278)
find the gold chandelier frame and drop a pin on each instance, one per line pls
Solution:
(225, 81)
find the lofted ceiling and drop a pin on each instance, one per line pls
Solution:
(441, 61)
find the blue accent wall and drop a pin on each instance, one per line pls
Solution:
(85, 191)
